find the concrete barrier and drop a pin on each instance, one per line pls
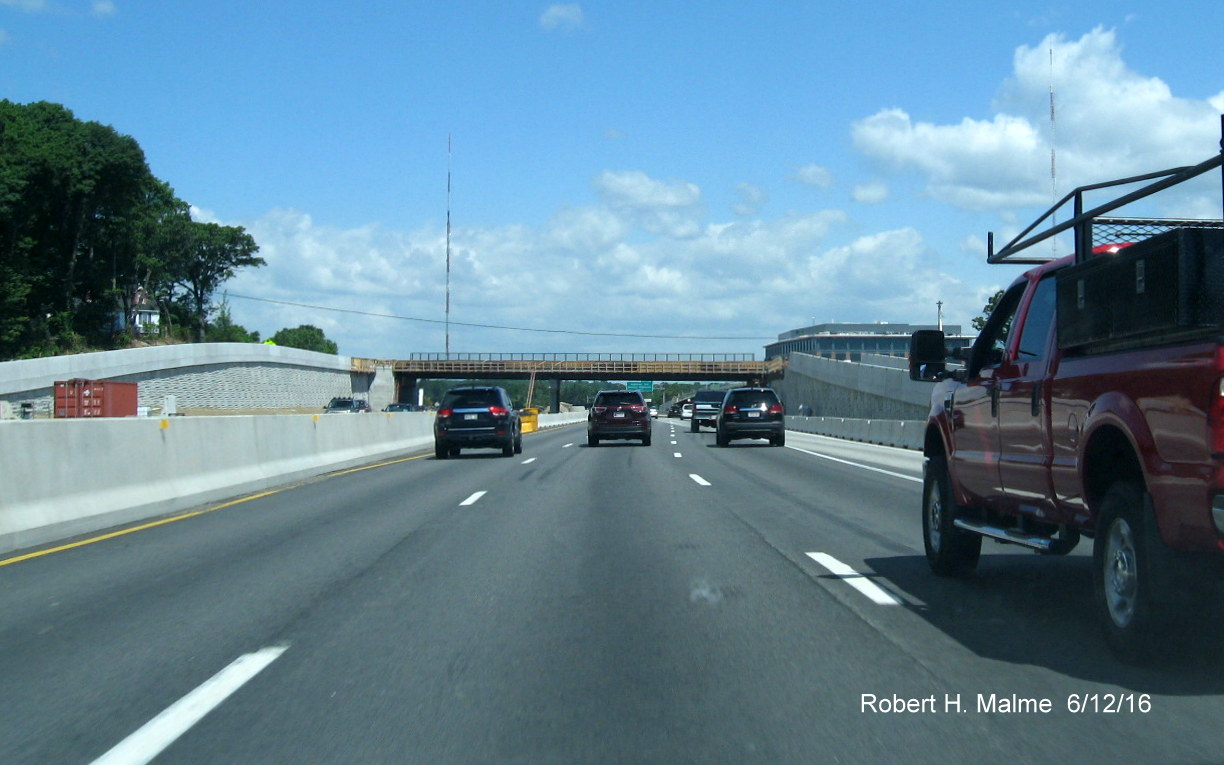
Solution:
(904, 434)
(68, 477)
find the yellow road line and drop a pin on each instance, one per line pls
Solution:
(192, 514)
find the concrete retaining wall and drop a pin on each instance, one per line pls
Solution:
(905, 434)
(833, 388)
(208, 375)
(68, 477)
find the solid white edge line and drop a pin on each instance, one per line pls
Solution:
(857, 464)
(473, 499)
(699, 479)
(856, 580)
(152, 738)
(529, 460)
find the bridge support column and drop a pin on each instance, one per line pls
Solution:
(554, 404)
(407, 389)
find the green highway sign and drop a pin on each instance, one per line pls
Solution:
(643, 386)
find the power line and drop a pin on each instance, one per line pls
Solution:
(495, 326)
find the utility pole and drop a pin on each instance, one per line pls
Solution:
(448, 234)
(939, 314)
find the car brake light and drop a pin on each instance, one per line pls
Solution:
(637, 408)
(600, 409)
(444, 413)
(499, 411)
(775, 409)
(730, 408)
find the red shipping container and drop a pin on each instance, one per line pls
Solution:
(95, 398)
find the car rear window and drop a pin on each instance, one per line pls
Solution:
(470, 399)
(750, 398)
(617, 398)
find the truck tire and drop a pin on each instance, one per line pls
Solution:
(1122, 574)
(949, 550)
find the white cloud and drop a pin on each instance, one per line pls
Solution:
(104, 8)
(751, 198)
(660, 207)
(870, 193)
(4, 38)
(815, 175)
(1111, 123)
(565, 17)
(29, 6)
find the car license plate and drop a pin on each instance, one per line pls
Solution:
(618, 414)
(469, 416)
(754, 414)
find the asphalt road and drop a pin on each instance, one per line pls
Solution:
(672, 603)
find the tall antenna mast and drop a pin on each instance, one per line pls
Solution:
(1053, 150)
(448, 234)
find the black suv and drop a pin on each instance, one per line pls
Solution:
(477, 417)
(751, 413)
(346, 404)
(618, 414)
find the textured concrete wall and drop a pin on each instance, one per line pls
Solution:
(206, 375)
(846, 389)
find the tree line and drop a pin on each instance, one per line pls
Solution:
(86, 230)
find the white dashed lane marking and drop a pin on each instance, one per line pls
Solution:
(162, 731)
(529, 460)
(858, 581)
(473, 499)
(700, 481)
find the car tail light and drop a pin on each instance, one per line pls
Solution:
(730, 408)
(600, 409)
(638, 408)
(444, 414)
(499, 411)
(775, 409)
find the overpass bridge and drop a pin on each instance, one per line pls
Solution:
(555, 367)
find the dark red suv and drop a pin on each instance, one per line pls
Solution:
(618, 414)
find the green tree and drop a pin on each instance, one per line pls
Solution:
(979, 322)
(223, 329)
(202, 257)
(306, 337)
(67, 191)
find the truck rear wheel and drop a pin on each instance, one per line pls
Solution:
(949, 550)
(1122, 574)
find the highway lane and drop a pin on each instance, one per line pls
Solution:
(590, 605)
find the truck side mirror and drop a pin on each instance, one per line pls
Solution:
(927, 355)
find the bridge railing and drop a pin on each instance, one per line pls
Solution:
(582, 357)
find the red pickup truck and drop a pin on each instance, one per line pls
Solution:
(1091, 405)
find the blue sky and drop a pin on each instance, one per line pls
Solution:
(637, 175)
